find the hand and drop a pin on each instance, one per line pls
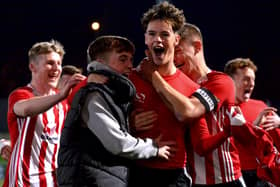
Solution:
(66, 86)
(97, 78)
(235, 116)
(6, 149)
(141, 120)
(261, 117)
(271, 121)
(146, 67)
(166, 149)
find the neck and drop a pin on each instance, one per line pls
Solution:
(201, 71)
(40, 89)
(167, 69)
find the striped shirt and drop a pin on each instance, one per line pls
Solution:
(222, 164)
(35, 142)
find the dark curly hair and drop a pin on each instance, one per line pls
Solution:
(164, 11)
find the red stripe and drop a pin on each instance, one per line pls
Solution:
(42, 177)
(56, 114)
(45, 123)
(53, 165)
(209, 170)
(42, 156)
(27, 150)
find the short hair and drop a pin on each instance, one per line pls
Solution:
(70, 70)
(44, 48)
(190, 31)
(239, 63)
(164, 11)
(104, 44)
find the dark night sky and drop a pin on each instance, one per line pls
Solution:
(231, 29)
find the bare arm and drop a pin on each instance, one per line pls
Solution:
(36, 105)
(183, 107)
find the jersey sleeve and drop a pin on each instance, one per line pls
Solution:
(217, 91)
(203, 142)
(15, 96)
(107, 129)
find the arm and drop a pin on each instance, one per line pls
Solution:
(141, 120)
(183, 107)
(104, 125)
(203, 142)
(35, 105)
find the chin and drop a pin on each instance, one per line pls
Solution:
(53, 84)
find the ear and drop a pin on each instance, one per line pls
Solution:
(145, 35)
(32, 67)
(197, 46)
(177, 39)
(101, 60)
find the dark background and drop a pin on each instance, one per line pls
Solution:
(230, 28)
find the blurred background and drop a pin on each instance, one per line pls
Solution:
(239, 28)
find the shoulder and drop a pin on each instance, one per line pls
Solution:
(219, 76)
(22, 92)
(75, 90)
(256, 102)
(134, 75)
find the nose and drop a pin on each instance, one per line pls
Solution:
(57, 66)
(130, 64)
(158, 38)
(252, 82)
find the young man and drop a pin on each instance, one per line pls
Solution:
(161, 24)
(95, 144)
(214, 160)
(36, 115)
(242, 71)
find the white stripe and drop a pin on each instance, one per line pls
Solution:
(227, 160)
(215, 154)
(200, 170)
(217, 167)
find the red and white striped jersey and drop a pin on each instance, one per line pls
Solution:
(35, 142)
(220, 165)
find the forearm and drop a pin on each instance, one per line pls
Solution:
(209, 143)
(183, 107)
(36, 105)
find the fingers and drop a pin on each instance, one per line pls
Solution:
(144, 120)
(146, 117)
(6, 152)
(166, 152)
(99, 79)
(268, 126)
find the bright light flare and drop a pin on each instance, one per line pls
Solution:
(95, 26)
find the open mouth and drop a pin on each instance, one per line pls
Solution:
(247, 91)
(53, 76)
(179, 65)
(159, 50)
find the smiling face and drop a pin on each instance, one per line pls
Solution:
(244, 80)
(46, 69)
(161, 41)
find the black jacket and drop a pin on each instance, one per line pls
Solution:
(82, 159)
